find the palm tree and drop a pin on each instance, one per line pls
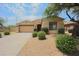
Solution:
(56, 9)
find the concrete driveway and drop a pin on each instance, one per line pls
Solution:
(12, 44)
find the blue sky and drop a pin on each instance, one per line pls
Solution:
(13, 13)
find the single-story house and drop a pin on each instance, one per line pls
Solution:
(68, 25)
(50, 23)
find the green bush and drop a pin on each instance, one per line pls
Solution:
(35, 29)
(61, 31)
(70, 30)
(45, 29)
(75, 31)
(66, 43)
(6, 33)
(41, 35)
(0, 35)
(34, 34)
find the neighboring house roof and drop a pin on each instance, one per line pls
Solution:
(68, 22)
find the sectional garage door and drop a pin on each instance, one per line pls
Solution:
(26, 28)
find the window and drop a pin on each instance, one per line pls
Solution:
(52, 25)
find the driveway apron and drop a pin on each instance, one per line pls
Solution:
(10, 45)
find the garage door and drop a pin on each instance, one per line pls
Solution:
(26, 28)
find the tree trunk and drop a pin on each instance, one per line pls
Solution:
(68, 15)
(41, 23)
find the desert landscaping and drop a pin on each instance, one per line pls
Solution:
(36, 47)
(39, 29)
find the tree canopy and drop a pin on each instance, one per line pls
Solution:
(2, 21)
(57, 8)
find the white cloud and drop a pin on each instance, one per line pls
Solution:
(19, 11)
(29, 18)
(35, 7)
(10, 21)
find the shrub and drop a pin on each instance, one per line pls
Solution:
(34, 34)
(6, 33)
(35, 29)
(61, 31)
(41, 35)
(70, 31)
(75, 32)
(66, 43)
(0, 35)
(45, 30)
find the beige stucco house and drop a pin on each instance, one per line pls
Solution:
(69, 25)
(51, 23)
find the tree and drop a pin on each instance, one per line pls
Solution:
(1, 21)
(1, 24)
(73, 8)
(9, 27)
(56, 9)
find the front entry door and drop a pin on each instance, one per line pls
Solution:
(39, 27)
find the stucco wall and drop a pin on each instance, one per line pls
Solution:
(45, 23)
(60, 23)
